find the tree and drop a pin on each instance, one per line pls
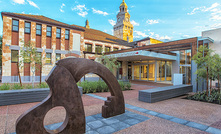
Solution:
(109, 61)
(29, 54)
(217, 68)
(206, 65)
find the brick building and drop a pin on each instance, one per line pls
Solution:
(54, 40)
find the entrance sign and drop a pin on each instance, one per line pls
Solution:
(64, 91)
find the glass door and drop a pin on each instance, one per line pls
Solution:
(186, 71)
(151, 72)
(129, 75)
(143, 72)
(136, 72)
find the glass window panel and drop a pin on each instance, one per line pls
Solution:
(107, 49)
(15, 22)
(58, 57)
(136, 72)
(38, 29)
(168, 71)
(98, 49)
(66, 34)
(38, 32)
(15, 28)
(48, 29)
(88, 47)
(48, 58)
(49, 34)
(38, 26)
(27, 24)
(115, 49)
(151, 73)
(27, 30)
(14, 56)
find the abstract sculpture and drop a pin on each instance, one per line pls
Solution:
(64, 92)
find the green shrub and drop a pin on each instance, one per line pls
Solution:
(100, 86)
(16, 86)
(213, 97)
(5, 86)
(42, 85)
(29, 86)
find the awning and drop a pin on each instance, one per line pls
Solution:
(143, 55)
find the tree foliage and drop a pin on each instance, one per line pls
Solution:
(208, 64)
(29, 54)
(109, 61)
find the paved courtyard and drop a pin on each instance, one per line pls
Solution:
(175, 115)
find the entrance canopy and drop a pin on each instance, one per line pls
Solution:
(143, 55)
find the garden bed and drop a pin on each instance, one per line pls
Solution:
(214, 97)
(101, 86)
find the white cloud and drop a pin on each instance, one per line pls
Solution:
(162, 38)
(185, 36)
(33, 4)
(134, 23)
(81, 10)
(150, 22)
(61, 9)
(112, 22)
(139, 34)
(214, 10)
(214, 26)
(99, 12)
(19, 1)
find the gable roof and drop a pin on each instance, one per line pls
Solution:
(97, 35)
(40, 19)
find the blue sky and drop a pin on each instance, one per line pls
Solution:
(160, 19)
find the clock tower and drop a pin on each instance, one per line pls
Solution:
(123, 28)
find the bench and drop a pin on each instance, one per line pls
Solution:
(163, 93)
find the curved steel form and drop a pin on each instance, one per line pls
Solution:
(64, 92)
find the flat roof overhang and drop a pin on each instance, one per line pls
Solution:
(143, 55)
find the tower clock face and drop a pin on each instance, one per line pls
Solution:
(127, 19)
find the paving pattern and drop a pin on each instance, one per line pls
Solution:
(96, 124)
(170, 118)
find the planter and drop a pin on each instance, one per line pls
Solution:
(10, 97)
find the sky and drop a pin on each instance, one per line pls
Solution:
(164, 20)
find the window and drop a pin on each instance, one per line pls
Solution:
(48, 31)
(107, 49)
(14, 56)
(67, 34)
(38, 55)
(27, 27)
(15, 25)
(88, 47)
(48, 58)
(38, 29)
(58, 57)
(98, 49)
(58, 33)
(115, 49)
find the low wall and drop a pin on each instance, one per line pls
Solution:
(11, 97)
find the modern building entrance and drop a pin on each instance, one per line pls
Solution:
(151, 70)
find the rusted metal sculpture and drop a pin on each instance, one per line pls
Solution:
(64, 92)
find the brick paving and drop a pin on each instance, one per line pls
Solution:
(175, 115)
